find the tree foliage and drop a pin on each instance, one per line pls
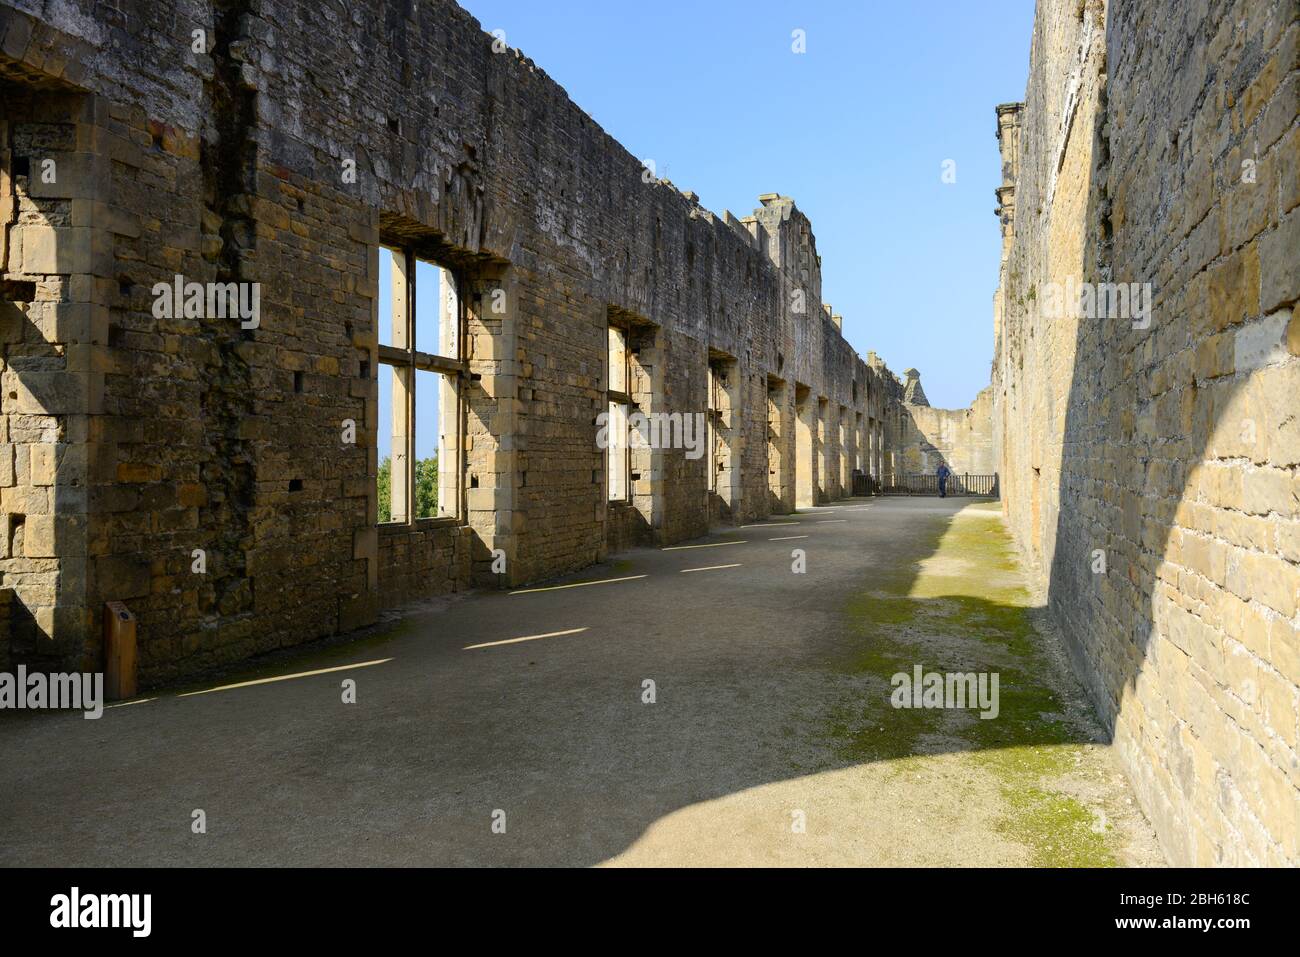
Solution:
(426, 488)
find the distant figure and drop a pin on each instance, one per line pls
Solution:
(943, 472)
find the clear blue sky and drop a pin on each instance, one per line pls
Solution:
(855, 129)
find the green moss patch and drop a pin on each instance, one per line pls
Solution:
(965, 608)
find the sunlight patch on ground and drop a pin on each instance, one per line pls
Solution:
(872, 815)
(515, 641)
(300, 674)
(965, 609)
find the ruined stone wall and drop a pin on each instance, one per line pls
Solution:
(924, 436)
(279, 143)
(1150, 468)
(51, 355)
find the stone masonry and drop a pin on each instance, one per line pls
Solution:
(923, 437)
(219, 477)
(1149, 463)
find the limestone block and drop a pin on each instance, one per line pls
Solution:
(39, 537)
(1279, 264)
(49, 393)
(75, 176)
(54, 249)
(42, 463)
(122, 578)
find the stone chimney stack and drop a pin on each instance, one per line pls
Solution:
(1009, 117)
(913, 394)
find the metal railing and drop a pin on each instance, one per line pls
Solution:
(957, 484)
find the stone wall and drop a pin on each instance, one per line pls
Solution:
(962, 439)
(1150, 467)
(51, 342)
(202, 472)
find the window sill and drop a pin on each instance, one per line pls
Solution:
(419, 525)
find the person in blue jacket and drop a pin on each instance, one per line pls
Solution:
(942, 473)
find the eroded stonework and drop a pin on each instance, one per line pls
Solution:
(924, 437)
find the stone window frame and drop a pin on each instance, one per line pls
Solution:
(406, 359)
(722, 419)
(717, 381)
(622, 399)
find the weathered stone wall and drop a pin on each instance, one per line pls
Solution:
(1150, 469)
(223, 156)
(961, 438)
(51, 347)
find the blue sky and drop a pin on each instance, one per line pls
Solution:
(856, 129)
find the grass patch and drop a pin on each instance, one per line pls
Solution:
(969, 590)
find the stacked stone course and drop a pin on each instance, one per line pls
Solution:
(1150, 472)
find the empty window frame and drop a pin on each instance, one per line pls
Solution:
(420, 477)
(618, 465)
(717, 389)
